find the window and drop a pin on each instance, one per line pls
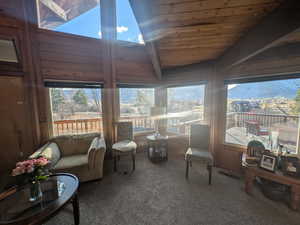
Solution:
(267, 111)
(76, 110)
(135, 106)
(127, 27)
(185, 107)
(80, 18)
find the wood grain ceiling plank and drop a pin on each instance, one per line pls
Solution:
(200, 6)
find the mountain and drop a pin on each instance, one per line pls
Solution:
(268, 89)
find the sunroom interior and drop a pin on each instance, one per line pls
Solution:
(221, 74)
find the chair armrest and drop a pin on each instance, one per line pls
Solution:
(39, 151)
(96, 152)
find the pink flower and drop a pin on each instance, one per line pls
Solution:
(18, 171)
(41, 161)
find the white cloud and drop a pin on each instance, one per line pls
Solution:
(122, 29)
(230, 86)
(141, 39)
(100, 34)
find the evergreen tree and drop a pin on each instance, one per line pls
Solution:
(80, 98)
(57, 98)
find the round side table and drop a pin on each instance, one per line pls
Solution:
(157, 148)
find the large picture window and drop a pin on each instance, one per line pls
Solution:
(76, 110)
(267, 111)
(74, 17)
(135, 106)
(185, 107)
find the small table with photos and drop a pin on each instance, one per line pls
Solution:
(58, 191)
(253, 171)
(157, 148)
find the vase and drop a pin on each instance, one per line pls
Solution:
(35, 191)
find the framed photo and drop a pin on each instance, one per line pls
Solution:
(268, 162)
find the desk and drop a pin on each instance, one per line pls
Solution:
(253, 172)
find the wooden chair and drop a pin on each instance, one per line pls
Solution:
(125, 144)
(199, 148)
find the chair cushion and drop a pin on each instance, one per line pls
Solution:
(198, 154)
(125, 146)
(71, 161)
(74, 144)
(52, 153)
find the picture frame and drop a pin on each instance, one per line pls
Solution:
(268, 162)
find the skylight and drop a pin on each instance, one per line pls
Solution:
(83, 18)
(88, 24)
(80, 18)
(127, 27)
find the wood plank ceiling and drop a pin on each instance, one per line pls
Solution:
(192, 31)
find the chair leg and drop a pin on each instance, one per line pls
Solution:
(115, 163)
(209, 168)
(187, 169)
(133, 161)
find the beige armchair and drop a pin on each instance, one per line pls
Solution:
(81, 155)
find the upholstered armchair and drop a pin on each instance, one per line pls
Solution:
(81, 155)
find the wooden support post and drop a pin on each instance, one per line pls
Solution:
(108, 29)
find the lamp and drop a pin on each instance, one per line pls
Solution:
(158, 114)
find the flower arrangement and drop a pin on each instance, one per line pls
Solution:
(35, 168)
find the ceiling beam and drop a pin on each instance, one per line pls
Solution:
(141, 11)
(54, 7)
(271, 31)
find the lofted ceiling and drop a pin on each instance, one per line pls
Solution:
(191, 31)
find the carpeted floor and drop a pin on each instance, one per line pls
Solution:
(158, 194)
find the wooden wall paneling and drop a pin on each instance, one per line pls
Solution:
(69, 57)
(31, 70)
(11, 14)
(133, 65)
(284, 59)
(15, 132)
(188, 74)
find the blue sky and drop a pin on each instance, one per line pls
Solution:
(88, 24)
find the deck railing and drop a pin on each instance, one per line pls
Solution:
(79, 126)
(239, 119)
(140, 124)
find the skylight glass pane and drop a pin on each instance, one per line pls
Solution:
(127, 27)
(80, 17)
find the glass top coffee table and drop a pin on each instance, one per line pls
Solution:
(58, 190)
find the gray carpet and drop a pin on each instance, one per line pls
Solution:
(159, 194)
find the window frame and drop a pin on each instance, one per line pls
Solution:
(48, 84)
(205, 100)
(257, 79)
(118, 100)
